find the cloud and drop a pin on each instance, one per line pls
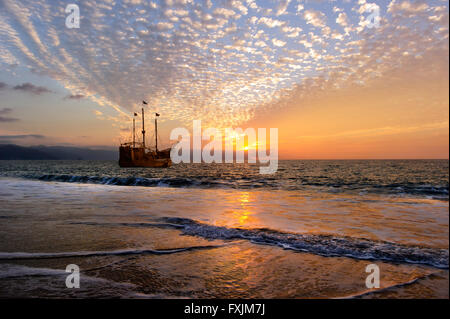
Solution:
(291, 32)
(385, 130)
(342, 19)
(4, 119)
(8, 119)
(31, 88)
(5, 110)
(407, 6)
(22, 136)
(74, 97)
(278, 43)
(240, 6)
(227, 13)
(282, 7)
(316, 18)
(271, 23)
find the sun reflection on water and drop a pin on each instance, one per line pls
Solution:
(240, 214)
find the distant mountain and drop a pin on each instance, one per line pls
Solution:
(16, 152)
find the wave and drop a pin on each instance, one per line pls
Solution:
(19, 271)
(419, 189)
(12, 271)
(130, 181)
(90, 286)
(24, 255)
(438, 192)
(388, 288)
(323, 245)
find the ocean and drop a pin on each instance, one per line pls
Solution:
(224, 230)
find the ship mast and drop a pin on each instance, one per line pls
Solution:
(134, 140)
(143, 130)
(134, 134)
(156, 132)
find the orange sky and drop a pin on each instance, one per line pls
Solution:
(403, 114)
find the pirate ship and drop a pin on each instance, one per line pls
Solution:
(136, 154)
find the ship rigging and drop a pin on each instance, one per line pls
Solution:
(138, 155)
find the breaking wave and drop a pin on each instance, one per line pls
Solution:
(438, 192)
(24, 255)
(323, 245)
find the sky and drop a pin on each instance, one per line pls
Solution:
(339, 79)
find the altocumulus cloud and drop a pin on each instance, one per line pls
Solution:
(218, 61)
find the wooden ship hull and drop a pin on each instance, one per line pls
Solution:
(133, 154)
(161, 163)
(158, 163)
(135, 157)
